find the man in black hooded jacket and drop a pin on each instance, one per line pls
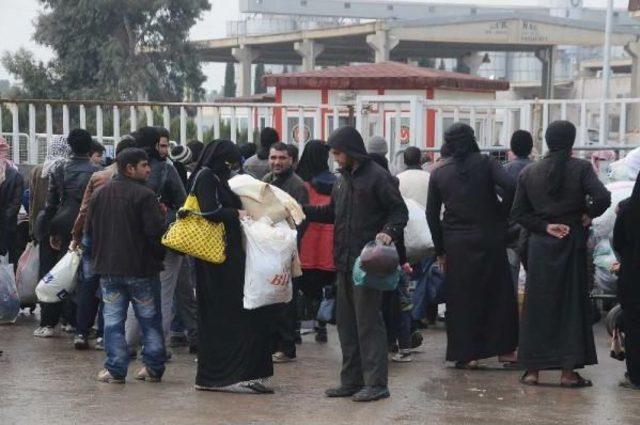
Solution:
(365, 205)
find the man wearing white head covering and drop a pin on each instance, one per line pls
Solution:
(57, 150)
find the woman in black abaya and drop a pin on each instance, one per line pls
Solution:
(626, 243)
(234, 353)
(470, 241)
(556, 199)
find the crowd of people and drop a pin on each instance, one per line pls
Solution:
(487, 221)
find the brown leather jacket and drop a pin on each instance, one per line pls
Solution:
(97, 180)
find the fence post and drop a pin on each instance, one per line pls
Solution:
(15, 145)
(301, 128)
(622, 132)
(83, 117)
(116, 127)
(250, 124)
(183, 126)
(166, 118)
(32, 152)
(49, 119)
(216, 123)
(65, 119)
(584, 131)
(149, 113)
(133, 119)
(99, 124)
(199, 131)
(234, 126)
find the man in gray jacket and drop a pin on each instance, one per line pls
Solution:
(258, 165)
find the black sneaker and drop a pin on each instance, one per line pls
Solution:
(342, 392)
(371, 394)
(80, 342)
(321, 335)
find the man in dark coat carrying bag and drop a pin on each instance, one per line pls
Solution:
(365, 205)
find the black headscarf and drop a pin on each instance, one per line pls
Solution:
(560, 136)
(218, 156)
(461, 142)
(314, 160)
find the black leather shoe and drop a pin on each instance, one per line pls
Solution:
(342, 391)
(371, 394)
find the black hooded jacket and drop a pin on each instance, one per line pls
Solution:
(364, 202)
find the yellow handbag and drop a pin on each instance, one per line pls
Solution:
(194, 235)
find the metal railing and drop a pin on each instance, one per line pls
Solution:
(402, 120)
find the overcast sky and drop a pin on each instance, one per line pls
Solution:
(16, 27)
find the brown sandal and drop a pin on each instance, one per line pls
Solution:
(580, 383)
(530, 382)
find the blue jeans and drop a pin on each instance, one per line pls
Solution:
(144, 295)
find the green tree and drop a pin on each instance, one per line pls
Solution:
(230, 80)
(259, 73)
(113, 49)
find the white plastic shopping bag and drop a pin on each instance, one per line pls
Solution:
(9, 301)
(270, 251)
(417, 236)
(27, 274)
(56, 285)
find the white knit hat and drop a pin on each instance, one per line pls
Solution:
(181, 154)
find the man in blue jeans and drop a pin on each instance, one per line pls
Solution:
(125, 224)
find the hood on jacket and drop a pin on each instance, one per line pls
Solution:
(348, 140)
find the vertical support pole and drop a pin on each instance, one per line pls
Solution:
(336, 118)
(317, 124)
(622, 132)
(99, 124)
(563, 111)
(116, 127)
(65, 120)
(149, 113)
(250, 124)
(49, 124)
(584, 134)
(183, 125)
(166, 118)
(398, 128)
(133, 118)
(285, 124)
(301, 128)
(604, 116)
(83, 117)
(216, 123)
(32, 152)
(15, 145)
(234, 125)
(199, 130)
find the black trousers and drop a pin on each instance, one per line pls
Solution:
(50, 313)
(362, 333)
(631, 327)
(285, 326)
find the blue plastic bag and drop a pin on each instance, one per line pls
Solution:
(327, 310)
(381, 283)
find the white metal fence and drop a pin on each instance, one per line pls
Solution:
(28, 125)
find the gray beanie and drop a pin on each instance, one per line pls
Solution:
(377, 145)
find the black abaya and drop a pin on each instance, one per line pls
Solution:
(556, 331)
(482, 315)
(233, 342)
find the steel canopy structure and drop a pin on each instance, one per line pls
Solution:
(438, 37)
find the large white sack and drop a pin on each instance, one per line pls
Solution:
(270, 251)
(626, 168)
(56, 285)
(27, 274)
(248, 187)
(417, 236)
(9, 301)
(602, 227)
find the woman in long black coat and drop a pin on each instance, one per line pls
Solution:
(626, 243)
(556, 199)
(234, 353)
(482, 312)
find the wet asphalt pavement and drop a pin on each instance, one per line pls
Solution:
(46, 381)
